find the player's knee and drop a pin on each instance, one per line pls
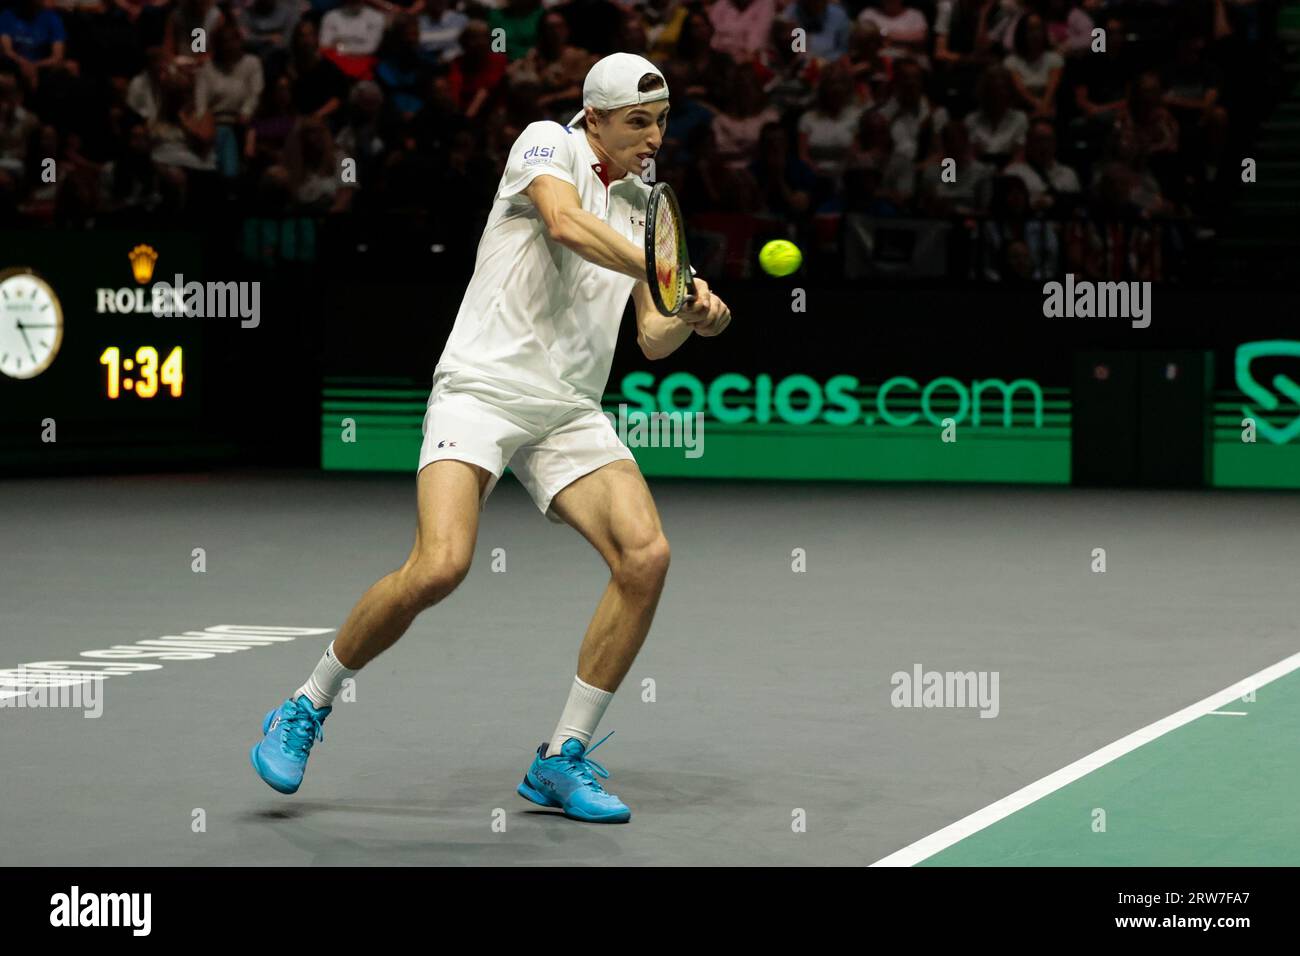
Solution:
(435, 574)
(645, 566)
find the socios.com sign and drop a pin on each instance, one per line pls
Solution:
(802, 400)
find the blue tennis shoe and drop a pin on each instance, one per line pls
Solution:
(568, 780)
(289, 732)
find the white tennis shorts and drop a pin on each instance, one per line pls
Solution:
(547, 444)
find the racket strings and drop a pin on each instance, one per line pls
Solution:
(668, 244)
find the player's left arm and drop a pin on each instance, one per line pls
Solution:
(660, 335)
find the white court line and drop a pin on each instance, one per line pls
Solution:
(942, 839)
(1228, 713)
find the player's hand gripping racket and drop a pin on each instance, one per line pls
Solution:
(668, 268)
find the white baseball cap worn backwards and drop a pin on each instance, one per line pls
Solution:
(612, 82)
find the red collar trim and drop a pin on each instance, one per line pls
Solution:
(602, 171)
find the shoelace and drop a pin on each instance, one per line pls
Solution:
(300, 731)
(584, 765)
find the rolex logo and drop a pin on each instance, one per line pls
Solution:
(142, 261)
(130, 299)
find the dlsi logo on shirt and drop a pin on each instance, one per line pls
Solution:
(1266, 400)
(538, 155)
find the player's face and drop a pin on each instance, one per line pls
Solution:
(634, 134)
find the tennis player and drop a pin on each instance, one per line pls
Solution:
(519, 383)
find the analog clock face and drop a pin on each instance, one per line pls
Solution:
(31, 324)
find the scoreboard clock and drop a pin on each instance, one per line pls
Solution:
(31, 324)
(82, 347)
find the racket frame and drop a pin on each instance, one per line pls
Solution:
(662, 192)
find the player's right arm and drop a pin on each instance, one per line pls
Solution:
(544, 167)
(574, 228)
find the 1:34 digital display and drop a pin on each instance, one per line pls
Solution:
(143, 374)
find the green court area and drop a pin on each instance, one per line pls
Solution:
(1218, 791)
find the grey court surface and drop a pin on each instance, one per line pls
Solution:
(772, 688)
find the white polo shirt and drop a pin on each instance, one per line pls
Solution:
(536, 316)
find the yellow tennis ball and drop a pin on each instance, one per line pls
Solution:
(780, 257)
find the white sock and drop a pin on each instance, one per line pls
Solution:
(581, 715)
(325, 681)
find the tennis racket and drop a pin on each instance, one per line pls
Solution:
(667, 265)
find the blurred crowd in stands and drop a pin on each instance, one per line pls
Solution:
(1015, 118)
